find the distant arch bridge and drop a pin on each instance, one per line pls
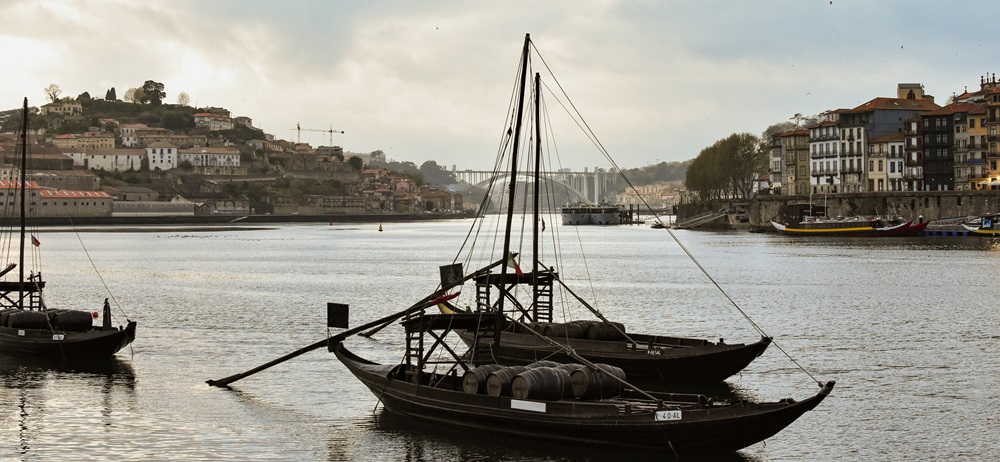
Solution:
(588, 186)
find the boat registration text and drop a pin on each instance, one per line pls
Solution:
(668, 415)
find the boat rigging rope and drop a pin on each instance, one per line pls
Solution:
(579, 120)
(733, 302)
(91, 260)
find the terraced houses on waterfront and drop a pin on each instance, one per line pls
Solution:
(905, 143)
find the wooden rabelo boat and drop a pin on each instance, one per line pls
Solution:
(851, 226)
(582, 403)
(581, 391)
(808, 219)
(644, 357)
(30, 330)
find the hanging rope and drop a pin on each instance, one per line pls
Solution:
(101, 278)
(577, 118)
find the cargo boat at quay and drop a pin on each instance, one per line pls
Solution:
(589, 214)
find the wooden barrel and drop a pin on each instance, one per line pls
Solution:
(572, 329)
(542, 363)
(541, 383)
(474, 381)
(570, 367)
(535, 326)
(498, 382)
(590, 384)
(73, 320)
(6, 314)
(539, 327)
(28, 320)
(605, 331)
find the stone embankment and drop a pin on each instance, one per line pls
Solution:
(911, 205)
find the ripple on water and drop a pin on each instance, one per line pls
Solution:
(903, 326)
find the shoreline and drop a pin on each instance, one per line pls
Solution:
(214, 220)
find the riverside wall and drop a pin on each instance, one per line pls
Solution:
(911, 205)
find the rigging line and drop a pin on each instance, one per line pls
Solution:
(505, 139)
(480, 214)
(576, 229)
(733, 302)
(607, 156)
(557, 234)
(501, 148)
(91, 260)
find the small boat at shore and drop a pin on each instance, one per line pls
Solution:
(850, 226)
(986, 225)
(29, 329)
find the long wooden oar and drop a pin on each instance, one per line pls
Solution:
(427, 301)
(329, 340)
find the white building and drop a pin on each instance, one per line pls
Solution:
(211, 157)
(108, 159)
(213, 122)
(128, 134)
(824, 154)
(162, 156)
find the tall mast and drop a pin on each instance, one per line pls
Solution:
(538, 169)
(24, 157)
(513, 155)
(513, 184)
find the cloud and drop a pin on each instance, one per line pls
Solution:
(431, 80)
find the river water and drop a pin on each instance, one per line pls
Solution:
(908, 327)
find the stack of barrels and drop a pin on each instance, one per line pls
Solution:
(58, 319)
(592, 330)
(545, 381)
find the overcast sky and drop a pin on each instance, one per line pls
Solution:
(656, 80)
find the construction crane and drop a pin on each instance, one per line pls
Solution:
(298, 128)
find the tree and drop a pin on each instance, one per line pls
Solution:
(52, 92)
(133, 95)
(434, 174)
(356, 163)
(152, 92)
(183, 99)
(175, 120)
(185, 165)
(85, 96)
(728, 168)
(797, 118)
(110, 95)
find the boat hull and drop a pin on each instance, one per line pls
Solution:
(592, 215)
(654, 359)
(988, 225)
(852, 229)
(696, 428)
(44, 344)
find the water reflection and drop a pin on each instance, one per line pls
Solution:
(417, 441)
(44, 390)
(21, 372)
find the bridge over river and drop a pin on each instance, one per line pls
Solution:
(586, 186)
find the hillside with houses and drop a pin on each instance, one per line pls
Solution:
(99, 158)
